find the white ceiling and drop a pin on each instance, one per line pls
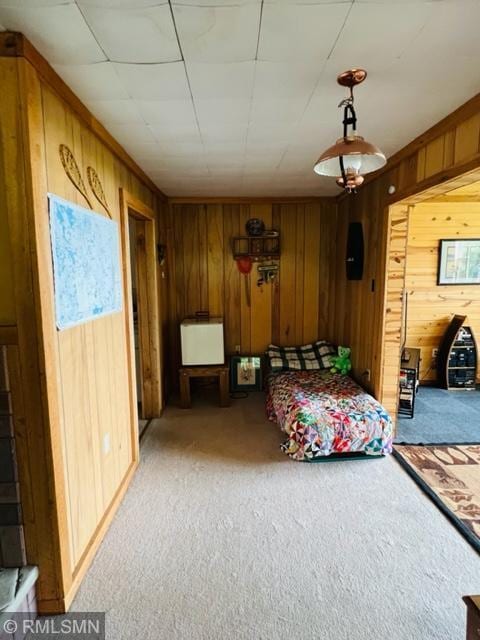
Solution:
(238, 97)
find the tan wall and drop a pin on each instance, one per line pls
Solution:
(294, 310)
(431, 307)
(74, 386)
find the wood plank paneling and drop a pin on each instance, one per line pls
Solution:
(292, 310)
(430, 307)
(73, 386)
(368, 315)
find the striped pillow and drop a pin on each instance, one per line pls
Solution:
(309, 357)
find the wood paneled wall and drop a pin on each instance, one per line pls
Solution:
(75, 388)
(296, 309)
(447, 154)
(430, 307)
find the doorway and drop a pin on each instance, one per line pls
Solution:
(141, 297)
(417, 309)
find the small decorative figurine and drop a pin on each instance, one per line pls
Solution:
(255, 227)
(341, 363)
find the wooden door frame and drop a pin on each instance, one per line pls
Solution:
(147, 303)
(398, 214)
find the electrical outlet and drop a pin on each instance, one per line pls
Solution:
(238, 348)
(367, 374)
(106, 443)
(434, 358)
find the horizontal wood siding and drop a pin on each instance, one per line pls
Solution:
(431, 307)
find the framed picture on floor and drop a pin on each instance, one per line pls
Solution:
(459, 261)
(245, 373)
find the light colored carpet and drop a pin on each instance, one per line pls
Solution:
(222, 537)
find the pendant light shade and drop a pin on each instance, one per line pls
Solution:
(358, 155)
(351, 156)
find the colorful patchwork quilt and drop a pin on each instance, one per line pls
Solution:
(324, 413)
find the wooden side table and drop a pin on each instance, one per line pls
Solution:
(185, 373)
(473, 616)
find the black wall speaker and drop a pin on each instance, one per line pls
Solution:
(355, 249)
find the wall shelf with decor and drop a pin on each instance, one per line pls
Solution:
(257, 247)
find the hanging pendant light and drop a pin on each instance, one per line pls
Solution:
(351, 156)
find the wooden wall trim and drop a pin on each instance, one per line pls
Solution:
(462, 113)
(14, 44)
(46, 534)
(247, 200)
(438, 184)
(148, 305)
(8, 335)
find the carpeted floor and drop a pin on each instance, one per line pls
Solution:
(222, 537)
(442, 416)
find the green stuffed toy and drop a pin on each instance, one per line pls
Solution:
(341, 363)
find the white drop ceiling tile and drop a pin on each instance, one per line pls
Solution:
(135, 35)
(93, 81)
(452, 28)
(33, 4)
(233, 173)
(312, 31)
(378, 33)
(181, 172)
(224, 162)
(285, 110)
(271, 149)
(58, 32)
(214, 3)
(166, 81)
(187, 133)
(115, 111)
(223, 111)
(270, 133)
(166, 166)
(192, 148)
(119, 4)
(148, 164)
(130, 134)
(147, 149)
(221, 81)
(314, 2)
(218, 34)
(213, 133)
(285, 80)
(253, 162)
(169, 113)
(297, 163)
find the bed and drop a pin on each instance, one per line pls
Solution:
(325, 413)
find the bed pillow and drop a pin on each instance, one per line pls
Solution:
(308, 357)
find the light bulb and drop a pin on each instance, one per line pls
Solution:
(352, 163)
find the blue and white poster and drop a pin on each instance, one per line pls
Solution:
(86, 263)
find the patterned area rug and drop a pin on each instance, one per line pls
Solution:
(450, 475)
